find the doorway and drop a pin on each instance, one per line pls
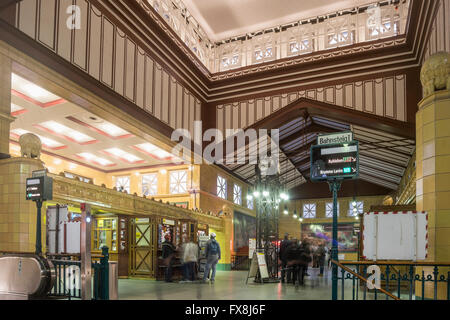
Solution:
(142, 247)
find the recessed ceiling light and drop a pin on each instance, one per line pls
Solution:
(93, 158)
(68, 133)
(47, 142)
(123, 155)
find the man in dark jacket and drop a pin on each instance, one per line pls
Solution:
(283, 258)
(168, 252)
(212, 253)
(321, 257)
(291, 261)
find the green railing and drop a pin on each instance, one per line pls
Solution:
(68, 277)
(398, 280)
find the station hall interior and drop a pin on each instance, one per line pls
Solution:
(100, 94)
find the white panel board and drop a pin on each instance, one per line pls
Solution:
(395, 235)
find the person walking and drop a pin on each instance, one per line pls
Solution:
(304, 256)
(168, 252)
(212, 253)
(190, 258)
(291, 260)
(321, 252)
(283, 256)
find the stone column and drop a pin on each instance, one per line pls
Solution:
(5, 104)
(17, 215)
(433, 169)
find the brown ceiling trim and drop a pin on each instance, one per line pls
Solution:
(427, 35)
(109, 9)
(328, 64)
(7, 3)
(320, 82)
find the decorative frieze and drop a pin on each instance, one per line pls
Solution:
(73, 191)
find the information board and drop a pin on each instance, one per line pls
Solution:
(39, 188)
(335, 161)
(262, 265)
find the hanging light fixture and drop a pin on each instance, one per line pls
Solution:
(295, 214)
(285, 211)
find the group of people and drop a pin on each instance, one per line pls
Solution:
(295, 257)
(189, 256)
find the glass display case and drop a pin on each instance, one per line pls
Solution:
(105, 232)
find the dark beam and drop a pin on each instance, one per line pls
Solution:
(7, 3)
(349, 188)
(333, 112)
(312, 128)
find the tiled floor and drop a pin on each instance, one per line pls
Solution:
(229, 285)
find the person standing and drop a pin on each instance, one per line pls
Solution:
(168, 252)
(283, 256)
(190, 258)
(212, 253)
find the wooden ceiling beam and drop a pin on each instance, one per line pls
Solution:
(305, 106)
(312, 128)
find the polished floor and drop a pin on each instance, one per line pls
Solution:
(229, 285)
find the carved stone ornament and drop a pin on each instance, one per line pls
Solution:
(435, 73)
(30, 146)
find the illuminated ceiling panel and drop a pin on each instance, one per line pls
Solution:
(61, 130)
(32, 92)
(123, 155)
(102, 127)
(16, 110)
(154, 151)
(95, 160)
(46, 142)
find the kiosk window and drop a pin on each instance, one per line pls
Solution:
(105, 234)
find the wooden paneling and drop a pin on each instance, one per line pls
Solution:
(109, 55)
(385, 97)
(440, 35)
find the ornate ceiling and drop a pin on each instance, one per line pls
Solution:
(223, 19)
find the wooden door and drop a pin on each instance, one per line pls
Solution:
(142, 247)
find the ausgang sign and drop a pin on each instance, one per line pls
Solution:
(336, 160)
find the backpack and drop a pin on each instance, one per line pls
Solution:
(213, 247)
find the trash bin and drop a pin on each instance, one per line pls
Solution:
(113, 280)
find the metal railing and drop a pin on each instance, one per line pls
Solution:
(398, 280)
(240, 262)
(68, 277)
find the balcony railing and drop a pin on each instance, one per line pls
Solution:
(398, 280)
(377, 21)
